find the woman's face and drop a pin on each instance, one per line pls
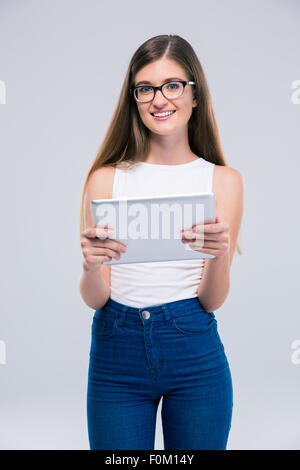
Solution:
(156, 74)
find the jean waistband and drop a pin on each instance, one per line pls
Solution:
(168, 309)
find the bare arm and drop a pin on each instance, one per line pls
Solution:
(215, 283)
(94, 285)
(93, 288)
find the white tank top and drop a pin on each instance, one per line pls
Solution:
(146, 284)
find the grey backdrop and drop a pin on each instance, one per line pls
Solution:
(63, 63)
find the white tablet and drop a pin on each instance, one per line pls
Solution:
(150, 226)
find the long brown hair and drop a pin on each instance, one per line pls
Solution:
(127, 138)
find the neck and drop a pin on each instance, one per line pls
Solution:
(169, 150)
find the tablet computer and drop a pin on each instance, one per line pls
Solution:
(150, 226)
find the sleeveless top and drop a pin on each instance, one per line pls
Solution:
(147, 284)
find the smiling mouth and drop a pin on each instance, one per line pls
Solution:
(165, 115)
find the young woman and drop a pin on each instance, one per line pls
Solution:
(154, 333)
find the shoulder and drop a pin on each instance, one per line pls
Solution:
(98, 186)
(101, 174)
(227, 179)
(228, 187)
(100, 182)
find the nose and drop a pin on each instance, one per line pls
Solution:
(159, 99)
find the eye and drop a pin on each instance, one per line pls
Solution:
(173, 86)
(145, 89)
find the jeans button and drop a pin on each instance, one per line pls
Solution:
(146, 314)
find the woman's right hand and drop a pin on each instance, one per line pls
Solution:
(96, 250)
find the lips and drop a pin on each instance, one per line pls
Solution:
(167, 111)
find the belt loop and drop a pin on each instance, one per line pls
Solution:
(122, 315)
(166, 312)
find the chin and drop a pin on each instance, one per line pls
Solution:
(160, 127)
(162, 132)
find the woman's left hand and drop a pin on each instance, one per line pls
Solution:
(208, 238)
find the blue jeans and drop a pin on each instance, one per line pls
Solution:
(139, 355)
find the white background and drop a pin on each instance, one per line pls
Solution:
(63, 63)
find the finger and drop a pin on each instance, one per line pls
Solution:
(112, 244)
(210, 228)
(200, 228)
(205, 249)
(92, 232)
(207, 244)
(196, 244)
(214, 237)
(103, 232)
(94, 251)
(94, 260)
(188, 234)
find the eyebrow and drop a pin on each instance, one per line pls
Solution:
(165, 80)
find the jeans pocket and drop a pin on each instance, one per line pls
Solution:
(192, 322)
(104, 325)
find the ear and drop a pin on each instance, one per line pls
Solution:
(194, 99)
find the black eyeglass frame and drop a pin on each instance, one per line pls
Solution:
(155, 88)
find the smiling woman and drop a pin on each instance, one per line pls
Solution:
(154, 333)
(156, 99)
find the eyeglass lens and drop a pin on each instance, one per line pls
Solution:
(170, 90)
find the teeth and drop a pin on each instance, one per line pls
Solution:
(163, 114)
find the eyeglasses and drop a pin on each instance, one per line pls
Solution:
(170, 90)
